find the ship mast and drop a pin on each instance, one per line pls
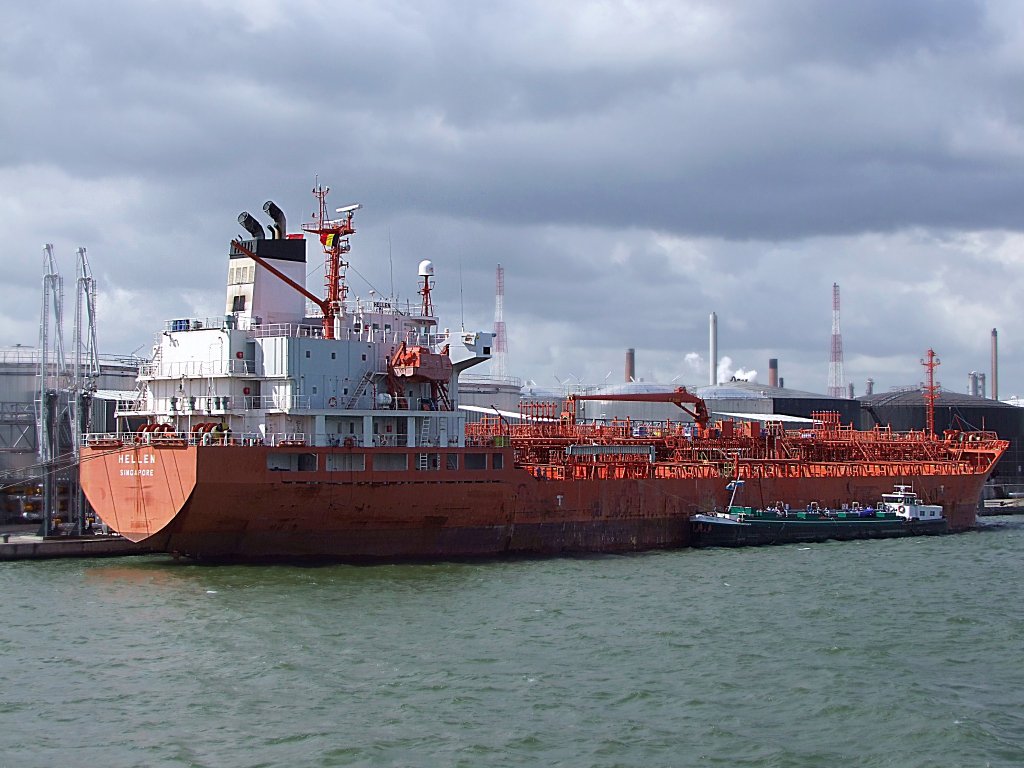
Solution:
(333, 234)
(931, 389)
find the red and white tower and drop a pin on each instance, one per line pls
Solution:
(500, 340)
(836, 387)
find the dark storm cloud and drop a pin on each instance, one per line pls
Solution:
(646, 162)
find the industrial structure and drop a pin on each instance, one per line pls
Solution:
(49, 399)
(836, 388)
(500, 339)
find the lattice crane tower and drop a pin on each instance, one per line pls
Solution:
(500, 340)
(836, 386)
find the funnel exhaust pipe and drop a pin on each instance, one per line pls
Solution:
(252, 226)
(280, 228)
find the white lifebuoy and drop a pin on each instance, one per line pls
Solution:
(332, 403)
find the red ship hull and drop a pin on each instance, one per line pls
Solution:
(222, 502)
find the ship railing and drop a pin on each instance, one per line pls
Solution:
(197, 368)
(289, 330)
(214, 404)
(220, 322)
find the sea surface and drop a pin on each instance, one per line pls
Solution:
(885, 653)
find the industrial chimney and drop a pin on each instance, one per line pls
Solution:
(869, 388)
(713, 352)
(773, 372)
(630, 365)
(995, 365)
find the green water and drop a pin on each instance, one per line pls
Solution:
(904, 652)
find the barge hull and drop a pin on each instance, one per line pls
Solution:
(760, 532)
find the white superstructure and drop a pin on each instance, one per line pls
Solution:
(904, 502)
(266, 371)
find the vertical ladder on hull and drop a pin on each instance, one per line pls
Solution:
(424, 458)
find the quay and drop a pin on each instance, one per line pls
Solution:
(22, 545)
(1013, 506)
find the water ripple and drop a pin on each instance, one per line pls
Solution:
(888, 653)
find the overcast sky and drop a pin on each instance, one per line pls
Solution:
(634, 166)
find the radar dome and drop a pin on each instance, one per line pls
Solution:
(426, 268)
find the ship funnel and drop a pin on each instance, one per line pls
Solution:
(252, 226)
(270, 208)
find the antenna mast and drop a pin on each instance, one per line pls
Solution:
(333, 234)
(836, 388)
(500, 340)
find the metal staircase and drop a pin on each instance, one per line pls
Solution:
(359, 390)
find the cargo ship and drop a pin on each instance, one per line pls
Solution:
(281, 429)
(899, 513)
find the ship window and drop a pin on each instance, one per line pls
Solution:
(487, 350)
(291, 462)
(390, 462)
(307, 353)
(497, 460)
(364, 358)
(238, 304)
(344, 391)
(314, 389)
(346, 462)
(452, 461)
(333, 355)
(476, 461)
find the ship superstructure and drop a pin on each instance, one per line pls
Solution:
(363, 372)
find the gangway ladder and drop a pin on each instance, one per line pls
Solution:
(424, 457)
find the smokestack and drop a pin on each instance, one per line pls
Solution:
(972, 383)
(849, 391)
(252, 226)
(995, 365)
(630, 365)
(713, 352)
(773, 372)
(869, 389)
(981, 384)
(281, 228)
(782, 383)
